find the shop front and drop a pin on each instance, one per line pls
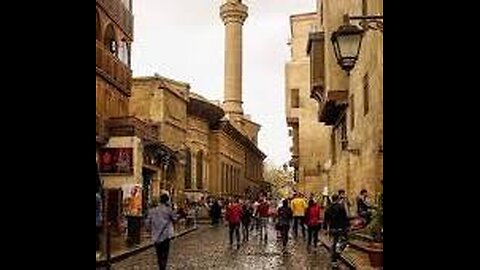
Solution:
(133, 166)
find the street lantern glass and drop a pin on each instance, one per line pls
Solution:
(347, 42)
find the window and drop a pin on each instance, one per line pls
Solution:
(364, 7)
(127, 4)
(227, 178)
(352, 112)
(188, 170)
(224, 180)
(199, 171)
(295, 98)
(366, 94)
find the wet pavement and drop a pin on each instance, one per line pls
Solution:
(208, 248)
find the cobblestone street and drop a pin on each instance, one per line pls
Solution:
(208, 248)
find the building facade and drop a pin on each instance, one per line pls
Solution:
(214, 158)
(351, 104)
(133, 163)
(114, 34)
(309, 136)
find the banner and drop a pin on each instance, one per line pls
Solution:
(132, 200)
(116, 161)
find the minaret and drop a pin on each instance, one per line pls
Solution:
(233, 14)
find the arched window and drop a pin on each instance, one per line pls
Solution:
(124, 52)
(200, 170)
(188, 170)
(110, 40)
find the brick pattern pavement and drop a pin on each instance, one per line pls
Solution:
(208, 248)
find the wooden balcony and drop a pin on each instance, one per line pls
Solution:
(334, 107)
(132, 127)
(119, 14)
(112, 69)
(316, 51)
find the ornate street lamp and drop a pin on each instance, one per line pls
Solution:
(347, 40)
(347, 43)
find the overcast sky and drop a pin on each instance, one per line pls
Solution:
(184, 40)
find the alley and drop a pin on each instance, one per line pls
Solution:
(208, 248)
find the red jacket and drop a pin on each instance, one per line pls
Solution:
(234, 214)
(314, 215)
(264, 210)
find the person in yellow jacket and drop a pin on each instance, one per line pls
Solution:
(299, 206)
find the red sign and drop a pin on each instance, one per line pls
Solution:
(116, 161)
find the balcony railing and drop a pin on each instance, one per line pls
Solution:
(132, 127)
(112, 69)
(117, 11)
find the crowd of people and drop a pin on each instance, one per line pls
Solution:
(330, 215)
(311, 216)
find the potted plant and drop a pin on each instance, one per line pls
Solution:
(370, 240)
(375, 229)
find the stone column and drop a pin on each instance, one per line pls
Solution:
(233, 14)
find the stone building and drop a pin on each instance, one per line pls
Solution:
(114, 34)
(352, 105)
(129, 155)
(309, 136)
(213, 157)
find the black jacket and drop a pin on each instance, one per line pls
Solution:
(336, 217)
(285, 216)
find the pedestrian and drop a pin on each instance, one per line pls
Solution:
(160, 223)
(313, 220)
(345, 202)
(284, 218)
(337, 224)
(263, 215)
(191, 215)
(364, 207)
(255, 215)
(215, 212)
(247, 215)
(299, 206)
(233, 216)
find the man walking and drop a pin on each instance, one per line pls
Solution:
(234, 219)
(160, 222)
(337, 223)
(299, 206)
(284, 219)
